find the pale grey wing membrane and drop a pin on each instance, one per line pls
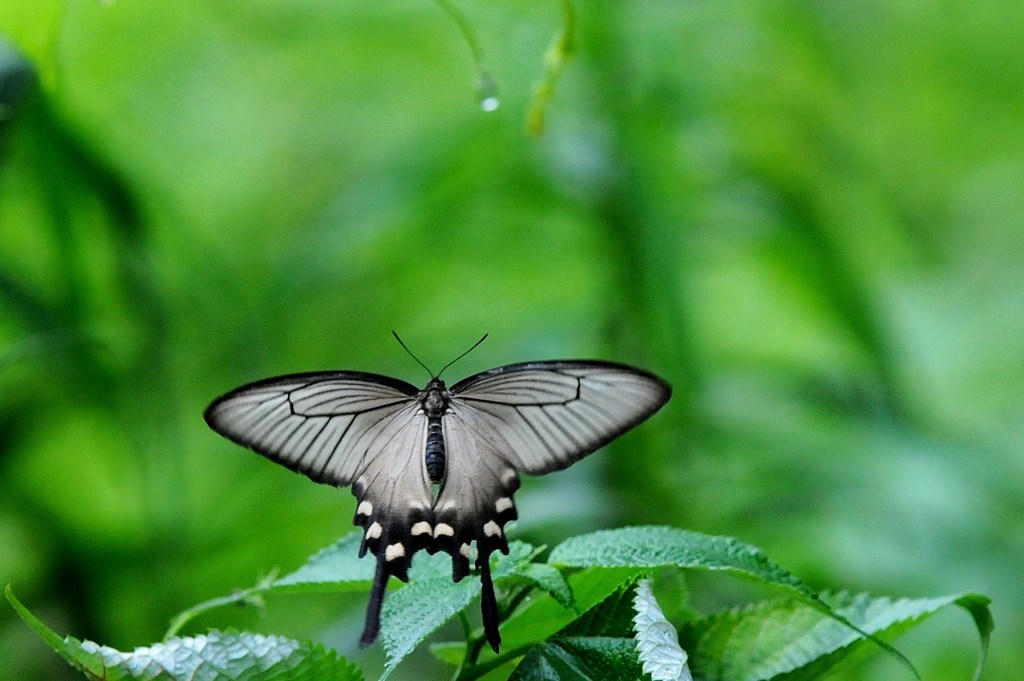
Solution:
(340, 428)
(393, 491)
(544, 416)
(474, 504)
(369, 430)
(394, 504)
(475, 500)
(326, 426)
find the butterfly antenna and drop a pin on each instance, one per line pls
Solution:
(406, 348)
(482, 339)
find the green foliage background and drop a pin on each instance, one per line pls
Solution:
(806, 216)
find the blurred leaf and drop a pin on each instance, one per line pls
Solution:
(555, 59)
(449, 652)
(16, 80)
(787, 639)
(549, 579)
(35, 28)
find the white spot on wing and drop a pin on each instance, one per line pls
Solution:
(443, 529)
(365, 508)
(422, 527)
(464, 550)
(374, 531)
(502, 504)
(508, 476)
(491, 529)
(394, 551)
(447, 506)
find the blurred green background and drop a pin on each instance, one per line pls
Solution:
(805, 215)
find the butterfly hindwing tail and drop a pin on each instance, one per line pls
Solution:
(372, 626)
(488, 602)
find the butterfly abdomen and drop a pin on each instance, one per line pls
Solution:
(435, 451)
(434, 400)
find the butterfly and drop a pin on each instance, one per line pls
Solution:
(436, 468)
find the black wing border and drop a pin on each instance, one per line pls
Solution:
(312, 377)
(308, 378)
(555, 365)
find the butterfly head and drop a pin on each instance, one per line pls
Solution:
(434, 398)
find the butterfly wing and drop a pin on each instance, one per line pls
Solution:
(534, 417)
(475, 503)
(312, 423)
(370, 431)
(545, 416)
(341, 428)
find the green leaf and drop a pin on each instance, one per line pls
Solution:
(215, 656)
(581, 659)
(652, 547)
(977, 606)
(612, 617)
(541, 618)
(449, 652)
(790, 639)
(596, 645)
(51, 638)
(337, 567)
(410, 613)
(548, 579)
(431, 598)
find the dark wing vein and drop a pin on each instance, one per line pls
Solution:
(312, 423)
(551, 414)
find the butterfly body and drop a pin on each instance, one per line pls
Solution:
(435, 402)
(396, 445)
